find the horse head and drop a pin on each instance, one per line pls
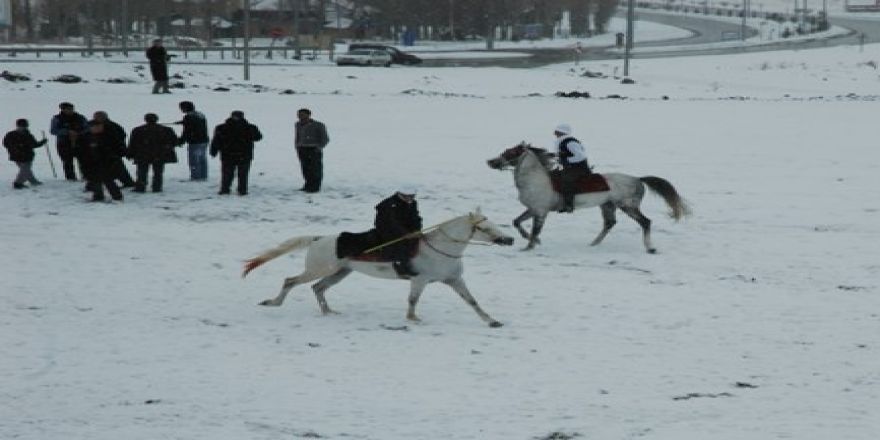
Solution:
(511, 157)
(486, 231)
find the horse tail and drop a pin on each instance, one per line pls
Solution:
(290, 245)
(678, 207)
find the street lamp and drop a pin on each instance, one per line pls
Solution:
(247, 35)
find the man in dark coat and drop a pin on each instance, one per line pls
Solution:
(67, 126)
(151, 146)
(98, 149)
(158, 57)
(311, 138)
(21, 143)
(234, 140)
(118, 135)
(396, 217)
(195, 134)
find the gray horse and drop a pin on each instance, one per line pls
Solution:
(531, 174)
(438, 260)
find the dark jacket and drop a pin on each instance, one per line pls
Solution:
(152, 143)
(158, 57)
(116, 135)
(234, 140)
(99, 149)
(396, 218)
(21, 144)
(195, 128)
(311, 134)
(62, 125)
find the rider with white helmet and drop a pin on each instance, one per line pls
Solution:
(573, 158)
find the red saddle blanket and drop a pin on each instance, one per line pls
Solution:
(587, 184)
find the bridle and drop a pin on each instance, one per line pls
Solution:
(475, 226)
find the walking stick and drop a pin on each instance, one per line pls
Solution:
(49, 154)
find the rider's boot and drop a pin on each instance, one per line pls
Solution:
(404, 269)
(567, 202)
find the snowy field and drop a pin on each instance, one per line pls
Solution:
(759, 317)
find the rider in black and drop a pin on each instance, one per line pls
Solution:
(396, 217)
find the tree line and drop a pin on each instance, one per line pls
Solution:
(43, 20)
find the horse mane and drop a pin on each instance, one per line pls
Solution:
(545, 157)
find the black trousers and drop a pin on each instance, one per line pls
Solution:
(231, 168)
(569, 178)
(311, 162)
(143, 170)
(99, 176)
(65, 153)
(120, 173)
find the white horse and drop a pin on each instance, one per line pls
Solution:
(531, 174)
(438, 259)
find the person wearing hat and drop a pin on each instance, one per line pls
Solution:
(67, 126)
(397, 217)
(151, 146)
(98, 149)
(310, 140)
(573, 158)
(117, 135)
(158, 57)
(21, 143)
(234, 141)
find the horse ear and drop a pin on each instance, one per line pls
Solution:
(478, 211)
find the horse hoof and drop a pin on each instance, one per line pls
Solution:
(495, 324)
(652, 251)
(268, 302)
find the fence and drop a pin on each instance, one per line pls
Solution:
(235, 53)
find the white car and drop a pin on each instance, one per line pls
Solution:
(364, 57)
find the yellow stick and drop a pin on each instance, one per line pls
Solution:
(407, 236)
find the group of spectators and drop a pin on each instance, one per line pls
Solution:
(96, 148)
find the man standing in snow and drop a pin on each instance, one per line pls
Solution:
(573, 158)
(98, 150)
(67, 126)
(21, 143)
(311, 138)
(158, 57)
(117, 135)
(195, 134)
(151, 146)
(234, 140)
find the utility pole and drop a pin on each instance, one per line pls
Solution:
(490, 31)
(628, 44)
(247, 36)
(124, 24)
(297, 51)
(452, 19)
(742, 28)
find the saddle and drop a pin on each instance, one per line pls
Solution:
(352, 245)
(586, 184)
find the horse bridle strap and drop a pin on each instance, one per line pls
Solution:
(474, 228)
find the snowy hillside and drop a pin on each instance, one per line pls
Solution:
(758, 318)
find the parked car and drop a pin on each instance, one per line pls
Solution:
(364, 57)
(397, 56)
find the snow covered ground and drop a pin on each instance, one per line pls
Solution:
(758, 319)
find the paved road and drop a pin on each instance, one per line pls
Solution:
(704, 31)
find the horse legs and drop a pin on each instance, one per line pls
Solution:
(537, 224)
(645, 223)
(461, 289)
(290, 283)
(321, 286)
(517, 222)
(608, 209)
(416, 287)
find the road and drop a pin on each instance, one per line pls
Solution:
(704, 31)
